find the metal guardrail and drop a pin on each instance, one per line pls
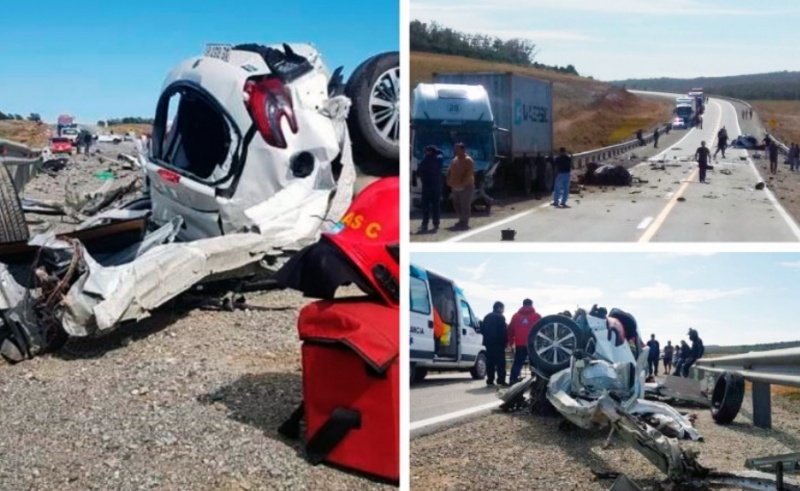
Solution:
(763, 369)
(21, 160)
(582, 159)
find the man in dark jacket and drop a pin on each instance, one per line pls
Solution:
(429, 171)
(518, 330)
(669, 350)
(493, 329)
(653, 355)
(655, 138)
(563, 177)
(695, 352)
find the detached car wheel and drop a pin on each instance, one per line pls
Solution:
(478, 371)
(726, 400)
(374, 120)
(551, 343)
(12, 220)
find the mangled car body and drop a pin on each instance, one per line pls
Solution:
(591, 368)
(251, 160)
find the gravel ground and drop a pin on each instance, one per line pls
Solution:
(516, 451)
(77, 178)
(189, 399)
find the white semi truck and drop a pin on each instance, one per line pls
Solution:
(504, 120)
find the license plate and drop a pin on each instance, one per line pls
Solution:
(219, 51)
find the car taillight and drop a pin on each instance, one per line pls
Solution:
(169, 176)
(268, 102)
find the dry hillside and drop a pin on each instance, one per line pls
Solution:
(139, 129)
(35, 135)
(785, 114)
(588, 113)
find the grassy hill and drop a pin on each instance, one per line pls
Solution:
(35, 135)
(764, 86)
(588, 113)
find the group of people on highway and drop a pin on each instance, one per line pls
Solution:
(498, 336)
(683, 355)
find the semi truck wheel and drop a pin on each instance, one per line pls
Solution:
(545, 177)
(374, 120)
(527, 179)
(12, 220)
(726, 400)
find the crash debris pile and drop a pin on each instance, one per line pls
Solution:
(606, 175)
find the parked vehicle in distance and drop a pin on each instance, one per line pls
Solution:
(70, 132)
(678, 123)
(435, 298)
(61, 145)
(109, 138)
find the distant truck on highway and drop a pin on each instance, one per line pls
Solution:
(505, 120)
(684, 109)
(699, 100)
(433, 299)
(67, 128)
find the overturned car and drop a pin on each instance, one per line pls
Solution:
(251, 160)
(591, 369)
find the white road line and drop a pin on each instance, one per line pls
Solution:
(466, 235)
(418, 425)
(669, 195)
(645, 223)
(770, 196)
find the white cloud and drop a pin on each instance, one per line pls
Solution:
(547, 298)
(662, 291)
(794, 265)
(476, 273)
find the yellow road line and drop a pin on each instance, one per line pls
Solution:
(659, 221)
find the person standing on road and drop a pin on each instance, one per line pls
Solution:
(494, 334)
(722, 142)
(563, 177)
(653, 355)
(700, 121)
(668, 352)
(518, 330)
(429, 172)
(773, 157)
(794, 157)
(681, 358)
(461, 179)
(702, 156)
(655, 138)
(695, 352)
(640, 137)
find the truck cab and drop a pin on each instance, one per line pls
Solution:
(462, 349)
(684, 109)
(445, 114)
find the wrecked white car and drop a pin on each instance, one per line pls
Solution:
(591, 370)
(251, 160)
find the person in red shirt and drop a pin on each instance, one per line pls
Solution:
(518, 329)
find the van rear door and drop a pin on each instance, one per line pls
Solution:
(471, 340)
(421, 316)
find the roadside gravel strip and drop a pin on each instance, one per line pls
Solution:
(189, 399)
(521, 451)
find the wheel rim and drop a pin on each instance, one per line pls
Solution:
(555, 343)
(481, 366)
(384, 105)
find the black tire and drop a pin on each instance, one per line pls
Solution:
(418, 374)
(545, 177)
(527, 178)
(551, 343)
(375, 153)
(478, 370)
(12, 220)
(726, 400)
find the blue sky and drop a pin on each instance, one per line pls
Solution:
(731, 298)
(99, 59)
(619, 39)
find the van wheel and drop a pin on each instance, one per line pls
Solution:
(551, 343)
(418, 374)
(478, 370)
(374, 120)
(12, 220)
(726, 400)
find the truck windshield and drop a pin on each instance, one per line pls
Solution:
(684, 111)
(479, 144)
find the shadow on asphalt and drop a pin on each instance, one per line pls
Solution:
(440, 381)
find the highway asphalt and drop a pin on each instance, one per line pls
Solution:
(441, 395)
(667, 205)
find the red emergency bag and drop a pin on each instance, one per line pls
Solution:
(351, 386)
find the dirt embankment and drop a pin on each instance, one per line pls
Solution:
(587, 113)
(138, 129)
(781, 118)
(34, 135)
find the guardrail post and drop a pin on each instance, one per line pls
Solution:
(762, 405)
